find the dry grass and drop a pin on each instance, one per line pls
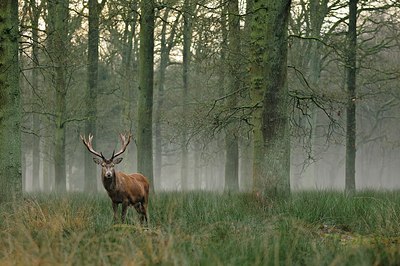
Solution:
(203, 229)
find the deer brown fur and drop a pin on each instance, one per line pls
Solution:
(125, 189)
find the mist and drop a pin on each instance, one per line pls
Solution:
(203, 95)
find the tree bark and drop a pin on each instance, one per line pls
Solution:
(271, 166)
(145, 100)
(166, 46)
(160, 103)
(91, 92)
(187, 41)
(234, 82)
(10, 105)
(317, 13)
(35, 14)
(350, 184)
(129, 77)
(48, 165)
(246, 144)
(58, 33)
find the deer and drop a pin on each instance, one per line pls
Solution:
(122, 188)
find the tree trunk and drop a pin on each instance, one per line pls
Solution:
(187, 41)
(10, 105)
(317, 12)
(350, 184)
(47, 165)
(160, 102)
(197, 179)
(246, 145)
(91, 92)
(224, 50)
(59, 149)
(271, 166)
(231, 137)
(35, 14)
(58, 16)
(246, 159)
(166, 46)
(129, 85)
(145, 102)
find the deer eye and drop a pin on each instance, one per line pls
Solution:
(103, 164)
(112, 165)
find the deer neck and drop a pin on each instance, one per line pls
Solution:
(110, 184)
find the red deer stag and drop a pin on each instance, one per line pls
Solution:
(122, 188)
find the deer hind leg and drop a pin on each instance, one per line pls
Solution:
(144, 213)
(144, 206)
(140, 207)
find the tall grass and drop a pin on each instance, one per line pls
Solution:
(200, 228)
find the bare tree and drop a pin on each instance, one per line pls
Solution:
(166, 46)
(187, 40)
(91, 91)
(145, 101)
(350, 185)
(233, 86)
(10, 108)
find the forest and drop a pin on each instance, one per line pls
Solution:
(267, 130)
(222, 96)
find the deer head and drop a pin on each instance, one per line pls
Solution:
(107, 165)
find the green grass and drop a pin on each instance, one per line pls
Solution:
(200, 228)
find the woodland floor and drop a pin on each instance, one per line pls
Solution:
(202, 228)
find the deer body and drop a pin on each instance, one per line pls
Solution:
(125, 189)
(128, 190)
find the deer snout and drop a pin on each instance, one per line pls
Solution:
(109, 174)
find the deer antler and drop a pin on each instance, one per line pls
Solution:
(124, 143)
(88, 144)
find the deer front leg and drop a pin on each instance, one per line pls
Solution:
(125, 205)
(115, 209)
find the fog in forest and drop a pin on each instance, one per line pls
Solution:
(377, 168)
(377, 165)
(195, 104)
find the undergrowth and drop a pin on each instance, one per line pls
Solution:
(202, 228)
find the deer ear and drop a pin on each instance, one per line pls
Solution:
(97, 160)
(118, 160)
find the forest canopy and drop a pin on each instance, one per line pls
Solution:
(224, 95)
